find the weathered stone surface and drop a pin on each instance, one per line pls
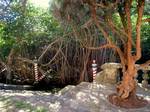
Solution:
(111, 66)
(85, 97)
(145, 83)
(118, 66)
(108, 74)
(142, 68)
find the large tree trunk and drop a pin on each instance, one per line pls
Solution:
(126, 91)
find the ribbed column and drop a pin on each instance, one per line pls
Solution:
(94, 70)
(36, 70)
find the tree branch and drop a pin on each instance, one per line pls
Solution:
(140, 8)
(146, 20)
(110, 5)
(93, 14)
(106, 36)
(49, 46)
(117, 49)
(26, 60)
(129, 28)
(115, 30)
(54, 57)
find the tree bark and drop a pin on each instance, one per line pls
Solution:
(126, 90)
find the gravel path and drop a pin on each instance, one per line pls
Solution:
(82, 98)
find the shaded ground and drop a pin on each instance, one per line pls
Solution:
(85, 97)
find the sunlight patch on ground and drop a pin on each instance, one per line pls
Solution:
(147, 98)
(18, 94)
(23, 93)
(55, 106)
(81, 95)
(5, 104)
(2, 105)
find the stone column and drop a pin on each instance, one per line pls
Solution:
(145, 81)
(109, 73)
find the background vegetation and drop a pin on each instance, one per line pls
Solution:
(56, 38)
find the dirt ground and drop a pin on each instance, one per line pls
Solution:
(85, 97)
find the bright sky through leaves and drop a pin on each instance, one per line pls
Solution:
(41, 3)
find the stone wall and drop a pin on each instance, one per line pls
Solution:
(110, 72)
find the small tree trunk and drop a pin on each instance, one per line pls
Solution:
(9, 64)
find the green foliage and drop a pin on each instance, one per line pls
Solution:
(22, 105)
(29, 29)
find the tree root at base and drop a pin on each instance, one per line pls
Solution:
(130, 102)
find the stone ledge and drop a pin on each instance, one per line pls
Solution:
(15, 87)
(118, 66)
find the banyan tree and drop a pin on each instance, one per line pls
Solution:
(102, 13)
